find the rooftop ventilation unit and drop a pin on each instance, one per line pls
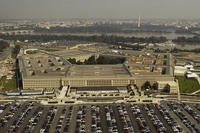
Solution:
(31, 72)
(40, 65)
(51, 64)
(44, 71)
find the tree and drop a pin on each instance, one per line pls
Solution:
(166, 89)
(146, 85)
(72, 60)
(15, 51)
(90, 60)
(155, 86)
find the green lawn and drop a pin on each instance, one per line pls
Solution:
(50, 50)
(33, 52)
(7, 84)
(187, 85)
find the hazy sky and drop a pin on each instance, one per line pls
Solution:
(99, 8)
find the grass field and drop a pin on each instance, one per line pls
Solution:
(7, 84)
(33, 52)
(50, 50)
(187, 85)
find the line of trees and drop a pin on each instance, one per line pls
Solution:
(196, 50)
(112, 39)
(99, 60)
(190, 40)
(148, 87)
(107, 28)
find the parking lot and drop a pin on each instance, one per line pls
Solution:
(28, 117)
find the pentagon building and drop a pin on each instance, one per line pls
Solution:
(45, 70)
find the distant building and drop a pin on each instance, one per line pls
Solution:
(192, 75)
(180, 70)
(139, 22)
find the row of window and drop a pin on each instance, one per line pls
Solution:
(77, 82)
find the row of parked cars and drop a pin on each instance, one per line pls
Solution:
(64, 120)
(155, 120)
(61, 121)
(125, 119)
(23, 114)
(197, 106)
(49, 119)
(34, 120)
(110, 119)
(29, 117)
(9, 114)
(96, 120)
(142, 123)
(176, 128)
(3, 106)
(176, 109)
(68, 119)
(193, 113)
(81, 120)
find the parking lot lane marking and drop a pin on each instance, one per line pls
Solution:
(41, 120)
(157, 112)
(26, 121)
(55, 120)
(72, 126)
(64, 120)
(5, 110)
(147, 119)
(196, 110)
(117, 117)
(103, 119)
(177, 119)
(15, 117)
(88, 119)
(133, 119)
(4, 113)
(190, 118)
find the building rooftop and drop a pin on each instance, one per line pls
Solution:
(73, 53)
(54, 65)
(47, 65)
(98, 71)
